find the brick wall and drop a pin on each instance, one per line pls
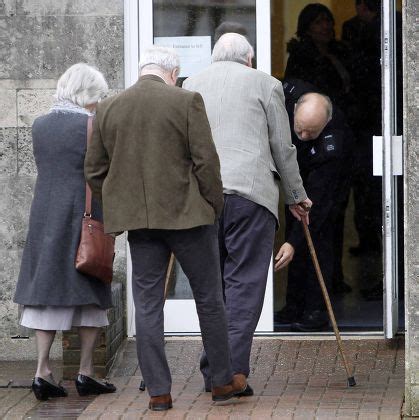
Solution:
(108, 343)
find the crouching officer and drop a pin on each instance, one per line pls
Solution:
(324, 148)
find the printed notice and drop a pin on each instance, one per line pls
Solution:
(194, 52)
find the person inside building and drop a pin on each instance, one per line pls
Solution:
(54, 295)
(256, 154)
(324, 148)
(316, 57)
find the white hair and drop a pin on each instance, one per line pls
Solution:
(232, 47)
(166, 59)
(81, 84)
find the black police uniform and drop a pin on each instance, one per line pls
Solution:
(325, 166)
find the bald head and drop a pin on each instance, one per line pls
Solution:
(233, 47)
(312, 112)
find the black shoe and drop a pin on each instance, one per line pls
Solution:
(313, 321)
(89, 386)
(287, 315)
(248, 392)
(44, 389)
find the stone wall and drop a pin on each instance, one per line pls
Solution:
(411, 178)
(39, 39)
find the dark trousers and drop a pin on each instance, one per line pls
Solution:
(197, 252)
(246, 238)
(303, 289)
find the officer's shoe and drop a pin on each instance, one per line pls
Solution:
(312, 321)
(287, 315)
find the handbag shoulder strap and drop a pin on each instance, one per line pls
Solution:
(88, 203)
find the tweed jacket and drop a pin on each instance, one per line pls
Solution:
(250, 127)
(152, 159)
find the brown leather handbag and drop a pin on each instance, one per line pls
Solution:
(96, 250)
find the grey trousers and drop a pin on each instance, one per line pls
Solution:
(197, 252)
(246, 240)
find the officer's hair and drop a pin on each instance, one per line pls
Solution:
(329, 105)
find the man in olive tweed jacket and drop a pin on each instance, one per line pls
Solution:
(153, 162)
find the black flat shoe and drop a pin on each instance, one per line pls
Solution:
(89, 386)
(44, 389)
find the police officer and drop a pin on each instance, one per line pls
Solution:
(324, 148)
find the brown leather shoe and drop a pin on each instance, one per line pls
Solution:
(160, 403)
(236, 386)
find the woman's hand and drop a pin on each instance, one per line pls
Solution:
(284, 256)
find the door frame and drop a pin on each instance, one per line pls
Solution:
(389, 208)
(138, 31)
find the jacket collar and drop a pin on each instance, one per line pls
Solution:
(151, 77)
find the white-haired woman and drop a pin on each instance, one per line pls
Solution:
(56, 296)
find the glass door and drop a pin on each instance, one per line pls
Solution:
(359, 68)
(190, 27)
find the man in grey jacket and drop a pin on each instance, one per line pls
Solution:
(250, 128)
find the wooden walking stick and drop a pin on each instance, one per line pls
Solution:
(167, 284)
(351, 379)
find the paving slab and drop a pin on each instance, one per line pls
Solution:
(292, 379)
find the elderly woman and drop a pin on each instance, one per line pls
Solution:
(54, 295)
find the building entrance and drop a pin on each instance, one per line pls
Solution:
(338, 52)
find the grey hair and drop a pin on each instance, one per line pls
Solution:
(232, 47)
(305, 98)
(165, 58)
(81, 84)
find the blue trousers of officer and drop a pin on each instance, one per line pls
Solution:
(246, 239)
(196, 250)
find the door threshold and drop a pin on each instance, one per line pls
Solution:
(347, 335)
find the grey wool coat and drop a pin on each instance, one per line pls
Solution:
(47, 274)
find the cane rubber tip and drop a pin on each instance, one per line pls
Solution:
(351, 381)
(142, 386)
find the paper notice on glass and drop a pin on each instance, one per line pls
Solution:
(194, 52)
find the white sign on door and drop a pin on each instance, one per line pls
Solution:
(194, 52)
